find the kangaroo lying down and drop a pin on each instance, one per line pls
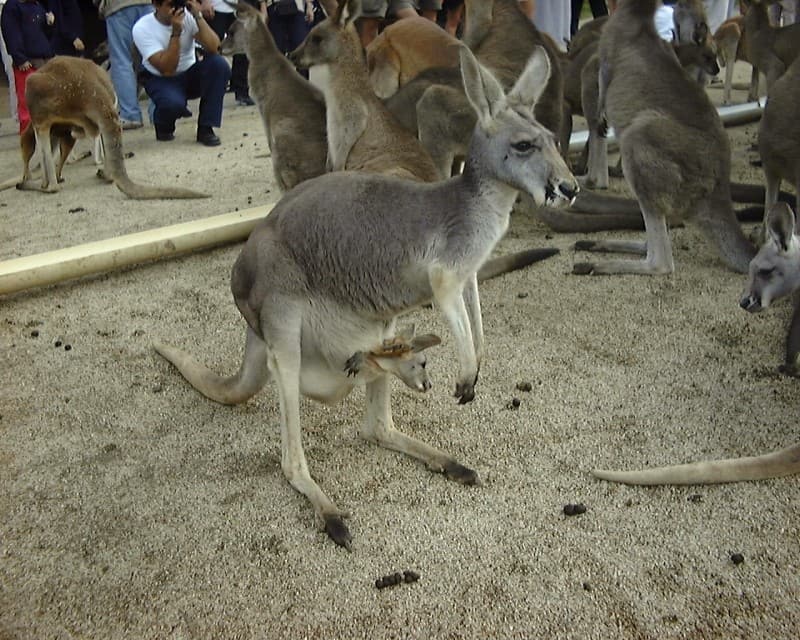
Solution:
(76, 95)
(774, 273)
(342, 256)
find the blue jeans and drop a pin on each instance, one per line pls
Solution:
(119, 27)
(206, 79)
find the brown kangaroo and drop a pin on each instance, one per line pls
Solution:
(76, 94)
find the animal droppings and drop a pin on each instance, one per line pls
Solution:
(67, 347)
(574, 509)
(522, 294)
(394, 579)
(34, 334)
(128, 155)
(57, 343)
(524, 386)
(77, 210)
(737, 558)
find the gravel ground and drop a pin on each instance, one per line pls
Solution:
(131, 507)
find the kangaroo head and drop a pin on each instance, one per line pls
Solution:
(519, 151)
(326, 42)
(403, 357)
(775, 269)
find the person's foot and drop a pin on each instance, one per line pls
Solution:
(164, 134)
(207, 137)
(244, 100)
(128, 125)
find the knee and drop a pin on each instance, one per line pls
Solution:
(217, 66)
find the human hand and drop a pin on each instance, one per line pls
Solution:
(309, 12)
(78, 44)
(25, 66)
(176, 19)
(50, 17)
(194, 7)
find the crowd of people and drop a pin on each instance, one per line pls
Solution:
(170, 47)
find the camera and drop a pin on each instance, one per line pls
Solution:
(178, 4)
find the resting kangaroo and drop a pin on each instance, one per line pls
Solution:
(774, 273)
(292, 109)
(341, 256)
(675, 152)
(75, 93)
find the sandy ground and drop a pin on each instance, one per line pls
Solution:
(132, 507)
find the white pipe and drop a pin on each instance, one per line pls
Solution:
(94, 257)
(731, 116)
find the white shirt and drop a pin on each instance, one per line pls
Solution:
(665, 24)
(150, 37)
(220, 6)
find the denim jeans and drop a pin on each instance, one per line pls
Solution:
(119, 26)
(206, 79)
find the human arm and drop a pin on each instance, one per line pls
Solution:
(11, 26)
(205, 36)
(151, 46)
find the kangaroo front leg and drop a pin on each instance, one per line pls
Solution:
(379, 428)
(285, 367)
(791, 366)
(448, 294)
(472, 302)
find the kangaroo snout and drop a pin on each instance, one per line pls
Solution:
(563, 190)
(569, 190)
(751, 303)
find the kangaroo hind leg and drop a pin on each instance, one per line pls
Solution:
(379, 428)
(284, 348)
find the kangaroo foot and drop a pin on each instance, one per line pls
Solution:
(461, 474)
(337, 530)
(465, 391)
(583, 268)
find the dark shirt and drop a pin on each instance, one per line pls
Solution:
(68, 25)
(25, 31)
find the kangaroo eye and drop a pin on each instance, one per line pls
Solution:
(524, 146)
(423, 364)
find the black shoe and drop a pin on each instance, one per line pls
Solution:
(244, 101)
(207, 137)
(164, 134)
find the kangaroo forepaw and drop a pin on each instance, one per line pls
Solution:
(465, 391)
(461, 474)
(337, 530)
(353, 364)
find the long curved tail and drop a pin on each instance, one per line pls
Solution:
(783, 462)
(116, 168)
(512, 262)
(249, 380)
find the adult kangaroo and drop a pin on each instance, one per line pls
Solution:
(75, 93)
(675, 152)
(341, 256)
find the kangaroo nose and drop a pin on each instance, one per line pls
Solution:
(750, 303)
(569, 190)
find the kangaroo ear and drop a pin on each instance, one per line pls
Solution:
(483, 90)
(780, 224)
(420, 343)
(531, 83)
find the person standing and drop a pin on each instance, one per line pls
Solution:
(120, 16)
(289, 22)
(172, 74)
(222, 17)
(68, 36)
(598, 8)
(27, 28)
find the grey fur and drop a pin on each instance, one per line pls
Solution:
(340, 257)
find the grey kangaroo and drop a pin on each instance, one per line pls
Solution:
(774, 273)
(292, 109)
(341, 256)
(771, 49)
(675, 152)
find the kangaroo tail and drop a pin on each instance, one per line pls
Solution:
(779, 463)
(11, 182)
(116, 168)
(512, 262)
(251, 377)
(579, 222)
